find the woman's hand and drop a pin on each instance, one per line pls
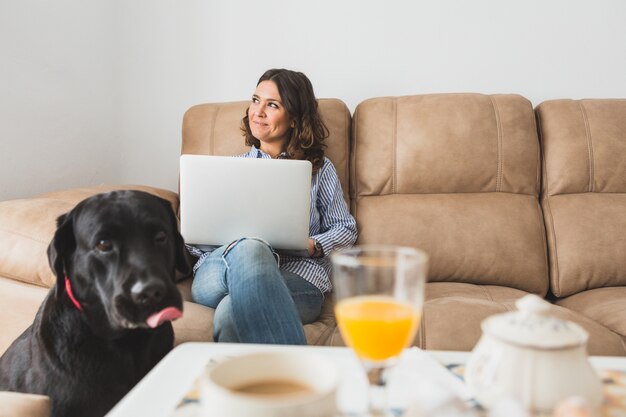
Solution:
(315, 249)
(311, 248)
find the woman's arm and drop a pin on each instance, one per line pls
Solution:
(337, 226)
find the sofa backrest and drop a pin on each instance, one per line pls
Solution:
(214, 129)
(584, 192)
(458, 176)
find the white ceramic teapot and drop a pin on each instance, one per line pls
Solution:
(532, 356)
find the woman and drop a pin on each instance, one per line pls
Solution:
(258, 296)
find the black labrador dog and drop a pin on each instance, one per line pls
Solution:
(106, 322)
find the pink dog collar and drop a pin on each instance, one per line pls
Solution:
(68, 290)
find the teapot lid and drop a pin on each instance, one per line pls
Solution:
(532, 326)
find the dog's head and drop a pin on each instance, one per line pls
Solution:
(120, 252)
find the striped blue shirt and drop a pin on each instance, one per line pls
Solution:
(331, 224)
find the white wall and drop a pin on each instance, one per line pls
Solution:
(57, 95)
(102, 100)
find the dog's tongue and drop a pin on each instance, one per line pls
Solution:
(167, 314)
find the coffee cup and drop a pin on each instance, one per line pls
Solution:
(274, 384)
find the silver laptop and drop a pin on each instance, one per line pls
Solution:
(224, 198)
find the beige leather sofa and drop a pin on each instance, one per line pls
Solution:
(506, 199)
(466, 178)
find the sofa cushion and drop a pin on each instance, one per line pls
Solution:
(15, 404)
(453, 313)
(604, 305)
(584, 143)
(584, 192)
(602, 340)
(489, 239)
(456, 175)
(587, 234)
(196, 324)
(320, 332)
(445, 143)
(28, 225)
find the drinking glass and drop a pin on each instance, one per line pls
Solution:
(379, 293)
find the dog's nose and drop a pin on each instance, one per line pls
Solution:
(147, 292)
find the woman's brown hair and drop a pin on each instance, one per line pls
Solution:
(306, 138)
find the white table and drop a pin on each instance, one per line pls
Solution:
(161, 390)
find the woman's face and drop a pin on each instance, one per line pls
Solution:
(269, 120)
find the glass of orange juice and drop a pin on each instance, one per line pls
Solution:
(379, 293)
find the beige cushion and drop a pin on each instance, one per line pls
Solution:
(584, 143)
(602, 341)
(445, 143)
(13, 404)
(28, 225)
(320, 332)
(584, 197)
(458, 176)
(489, 239)
(454, 311)
(604, 305)
(214, 129)
(587, 241)
(196, 325)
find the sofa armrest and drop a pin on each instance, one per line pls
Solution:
(15, 404)
(28, 225)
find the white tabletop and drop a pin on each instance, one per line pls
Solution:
(162, 389)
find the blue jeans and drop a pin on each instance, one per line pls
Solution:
(254, 301)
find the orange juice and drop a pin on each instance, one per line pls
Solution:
(376, 327)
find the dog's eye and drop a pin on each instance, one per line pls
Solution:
(160, 237)
(104, 245)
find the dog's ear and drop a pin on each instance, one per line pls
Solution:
(183, 264)
(61, 247)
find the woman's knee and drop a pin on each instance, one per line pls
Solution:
(249, 248)
(251, 261)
